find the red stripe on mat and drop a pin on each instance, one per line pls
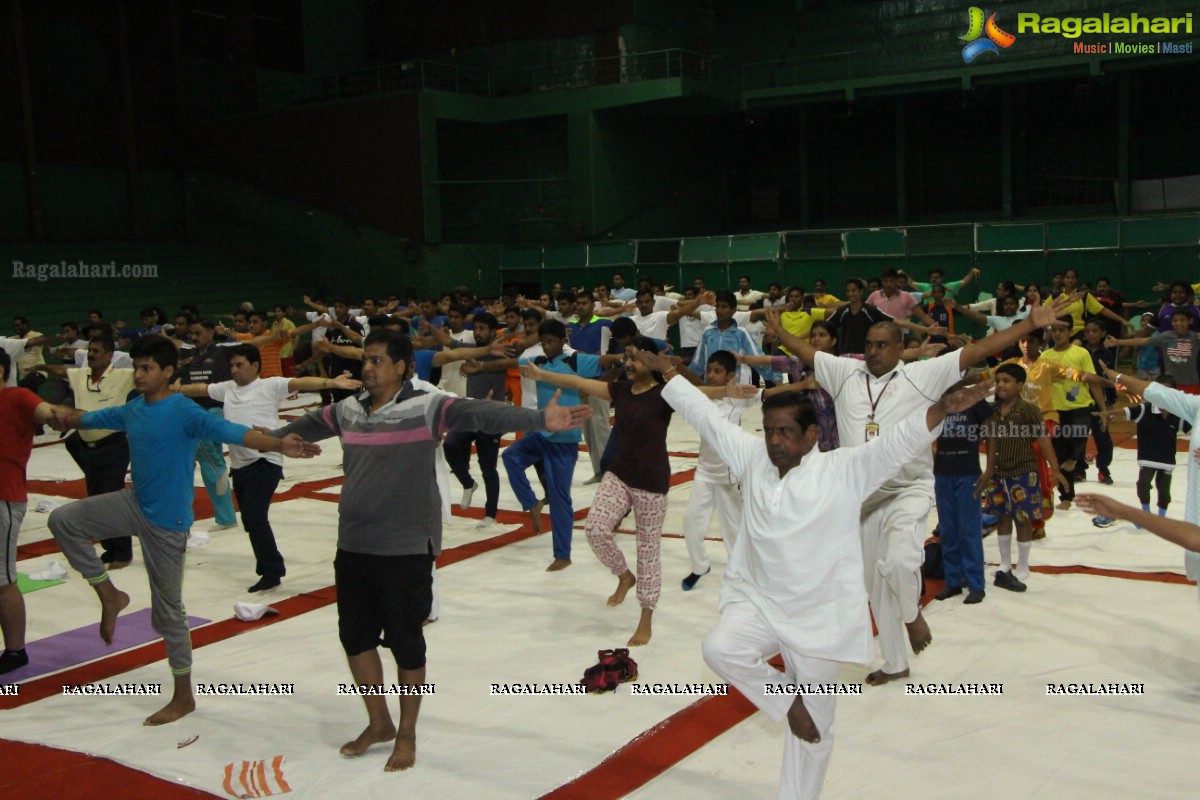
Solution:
(659, 748)
(34, 771)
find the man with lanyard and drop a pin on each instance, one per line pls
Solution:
(591, 335)
(872, 397)
(209, 363)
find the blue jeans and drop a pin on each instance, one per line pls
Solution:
(960, 526)
(560, 459)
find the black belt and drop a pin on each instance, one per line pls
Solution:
(112, 438)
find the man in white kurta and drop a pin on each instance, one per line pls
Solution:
(793, 584)
(871, 398)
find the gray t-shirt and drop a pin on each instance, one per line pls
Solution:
(1179, 355)
(479, 384)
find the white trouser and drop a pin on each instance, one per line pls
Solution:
(727, 498)
(737, 649)
(893, 542)
(597, 429)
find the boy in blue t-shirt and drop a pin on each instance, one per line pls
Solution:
(960, 520)
(164, 430)
(559, 452)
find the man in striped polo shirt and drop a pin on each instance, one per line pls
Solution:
(390, 434)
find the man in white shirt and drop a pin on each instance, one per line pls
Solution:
(746, 296)
(453, 380)
(872, 397)
(793, 584)
(691, 326)
(253, 401)
(655, 323)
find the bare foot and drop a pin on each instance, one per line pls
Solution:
(558, 564)
(642, 634)
(176, 709)
(801, 722)
(368, 737)
(1065, 505)
(404, 754)
(535, 516)
(109, 609)
(879, 677)
(919, 635)
(113, 565)
(624, 583)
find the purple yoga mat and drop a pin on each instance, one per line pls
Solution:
(84, 644)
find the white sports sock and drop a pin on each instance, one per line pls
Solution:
(1005, 552)
(1023, 548)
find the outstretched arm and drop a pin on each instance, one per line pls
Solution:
(686, 307)
(1130, 384)
(1040, 317)
(1184, 534)
(968, 312)
(1112, 341)
(586, 385)
(53, 370)
(343, 381)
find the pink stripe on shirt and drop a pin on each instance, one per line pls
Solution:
(388, 438)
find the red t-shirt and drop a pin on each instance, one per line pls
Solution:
(642, 419)
(16, 441)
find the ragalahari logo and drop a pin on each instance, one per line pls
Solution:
(996, 38)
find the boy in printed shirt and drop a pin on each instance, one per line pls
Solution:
(1010, 481)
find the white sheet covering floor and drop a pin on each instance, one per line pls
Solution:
(504, 620)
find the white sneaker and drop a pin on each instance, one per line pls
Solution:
(465, 503)
(486, 524)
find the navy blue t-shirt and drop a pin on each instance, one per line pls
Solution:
(958, 444)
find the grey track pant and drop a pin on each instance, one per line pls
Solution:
(117, 514)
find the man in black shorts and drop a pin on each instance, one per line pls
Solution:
(383, 569)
